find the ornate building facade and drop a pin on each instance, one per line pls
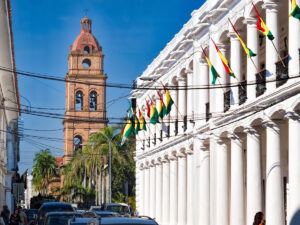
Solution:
(85, 91)
(233, 149)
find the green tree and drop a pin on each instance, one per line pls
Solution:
(43, 170)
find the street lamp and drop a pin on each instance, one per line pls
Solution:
(115, 132)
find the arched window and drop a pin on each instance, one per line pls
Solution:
(93, 101)
(86, 50)
(86, 63)
(79, 100)
(77, 143)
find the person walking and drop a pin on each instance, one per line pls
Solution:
(5, 213)
(259, 219)
(15, 218)
(23, 216)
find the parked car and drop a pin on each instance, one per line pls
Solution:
(59, 218)
(52, 207)
(32, 215)
(113, 221)
(103, 214)
(121, 208)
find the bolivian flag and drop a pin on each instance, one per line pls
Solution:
(212, 68)
(127, 130)
(168, 100)
(136, 124)
(295, 10)
(162, 108)
(148, 109)
(247, 50)
(224, 61)
(142, 121)
(260, 25)
(153, 113)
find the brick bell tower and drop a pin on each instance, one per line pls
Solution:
(85, 91)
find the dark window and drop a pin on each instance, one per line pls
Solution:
(226, 101)
(176, 127)
(93, 101)
(78, 100)
(86, 63)
(184, 123)
(260, 83)
(77, 142)
(207, 113)
(282, 71)
(154, 139)
(242, 92)
(86, 50)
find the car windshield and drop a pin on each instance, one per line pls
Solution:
(117, 208)
(58, 219)
(56, 208)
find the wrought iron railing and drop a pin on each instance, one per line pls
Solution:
(176, 127)
(168, 134)
(282, 71)
(243, 92)
(207, 113)
(184, 123)
(260, 83)
(161, 135)
(154, 139)
(226, 101)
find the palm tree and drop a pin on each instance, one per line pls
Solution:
(43, 170)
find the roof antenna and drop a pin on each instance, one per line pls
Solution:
(85, 11)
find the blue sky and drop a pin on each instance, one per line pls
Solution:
(131, 32)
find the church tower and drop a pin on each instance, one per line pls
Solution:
(85, 91)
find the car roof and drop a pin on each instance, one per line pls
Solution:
(126, 220)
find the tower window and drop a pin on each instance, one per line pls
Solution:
(93, 101)
(86, 50)
(79, 100)
(77, 142)
(86, 63)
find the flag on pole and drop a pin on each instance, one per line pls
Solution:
(168, 100)
(211, 67)
(136, 124)
(162, 108)
(295, 10)
(148, 109)
(142, 121)
(127, 130)
(247, 50)
(153, 113)
(260, 25)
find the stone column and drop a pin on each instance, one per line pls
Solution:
(158, 192)
(181, 103)
(166, 192)
(190, 178)
(252, 43)
(152, 190)
(274, 184)
(182, 189)
(221, 216)
(141, 192)
(174, 110)
(236, 65)
(147, 191)
(237, 181)
(254, 173)
(294, 45)
(190, 100)
(204, 190)
(271, 54)
(202, 94)
(173, 190)
(294, 165)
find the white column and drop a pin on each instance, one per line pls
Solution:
(236, 64)
(190, 100)
(182, 189)
(294, 165)
(254, 173)
(221, 216)
(190, 178)
(219, 104)
(141, 191)
(274, 184)
(252, 43)
(173, 190)
(174, 110)
(158, 192)
(271, 53)
(166, 192)
(294, 45)
(204, 190)
(147, 192)
(237, 181)
(181, 103)
(212, 179)
(152, 190)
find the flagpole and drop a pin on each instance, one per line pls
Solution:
(256, 68)
(221, 85)
(278, 54)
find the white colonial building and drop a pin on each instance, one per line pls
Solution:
(231, 151)
(9, 109)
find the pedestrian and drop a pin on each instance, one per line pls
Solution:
(5, 213)
(259, 219)
(23, 216)
(130, 209)
(15, 218)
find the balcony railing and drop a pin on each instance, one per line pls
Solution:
(226, 101)
(282, 71)
(161, 135)
(143, 147)
(260, 83)
(176, 127)
(184, 123)
(168, 134)
(148, 145)
(207, 113)
(243, 92)
(154, 139)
